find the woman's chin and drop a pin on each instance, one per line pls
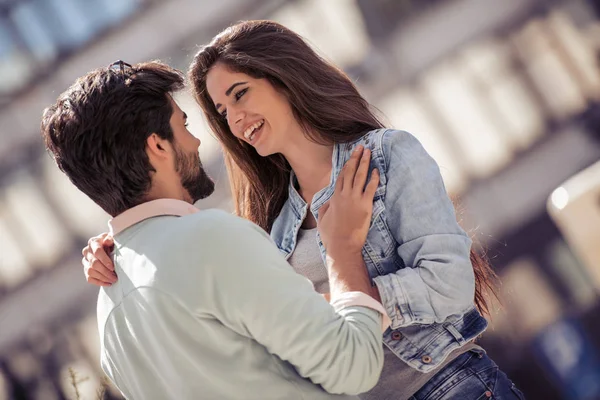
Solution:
(263, 151)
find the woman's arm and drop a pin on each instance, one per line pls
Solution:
(438, 280)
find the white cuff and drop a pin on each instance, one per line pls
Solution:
(349, 299)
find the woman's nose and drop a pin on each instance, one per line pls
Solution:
(236, 119)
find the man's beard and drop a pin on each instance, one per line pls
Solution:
(193, 177)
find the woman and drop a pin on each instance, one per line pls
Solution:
(288, 120)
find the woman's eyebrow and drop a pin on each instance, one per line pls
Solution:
(228, 92)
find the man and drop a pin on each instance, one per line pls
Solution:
(205, 306)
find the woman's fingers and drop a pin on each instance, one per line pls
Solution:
(322, 212)
(97, 282)
(372, 185)
(353, 178)
(97, 247)
(362, 171)
(97, 276)
(96, 269)
(97, 264)
(349, 170)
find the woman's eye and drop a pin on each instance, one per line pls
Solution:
(239, 94)
(224, 114)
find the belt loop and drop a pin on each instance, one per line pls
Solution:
(455, 333)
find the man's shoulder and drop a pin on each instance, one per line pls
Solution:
(214, 221)
(211, 215)
(215, 229)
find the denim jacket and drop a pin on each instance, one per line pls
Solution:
(416, 253)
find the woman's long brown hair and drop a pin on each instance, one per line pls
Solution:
(323, 99)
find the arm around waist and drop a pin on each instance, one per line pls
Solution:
(260, 296)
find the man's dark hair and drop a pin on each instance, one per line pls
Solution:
(98, 128)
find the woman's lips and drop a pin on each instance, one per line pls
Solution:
(255, 135)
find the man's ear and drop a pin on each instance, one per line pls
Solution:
(157, 147)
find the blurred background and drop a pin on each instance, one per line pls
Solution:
(504, 94)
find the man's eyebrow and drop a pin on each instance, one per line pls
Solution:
(228, 92)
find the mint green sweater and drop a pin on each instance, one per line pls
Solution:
(207, 308)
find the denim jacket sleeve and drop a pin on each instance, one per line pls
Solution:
(261, 297)
(438, 280)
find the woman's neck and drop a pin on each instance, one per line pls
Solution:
(311, 163)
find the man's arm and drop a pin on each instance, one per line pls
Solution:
(338, 348)
(258, 295)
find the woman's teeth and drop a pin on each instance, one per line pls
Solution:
(249, 133)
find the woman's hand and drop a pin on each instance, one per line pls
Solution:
(344, 223)
(97, 264)
(344, 220)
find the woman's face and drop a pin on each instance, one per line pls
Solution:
(254, 110)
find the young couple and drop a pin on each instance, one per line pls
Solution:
(205, 306)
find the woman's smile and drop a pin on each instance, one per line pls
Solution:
(252, 133)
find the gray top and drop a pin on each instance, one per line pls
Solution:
(306, 260)
(398, 380)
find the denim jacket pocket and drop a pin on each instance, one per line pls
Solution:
(380, 247)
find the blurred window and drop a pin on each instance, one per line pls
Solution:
(334, 27)
(405, 110)
(573, 275)
(383, 16)
(579, 46)
(469, 117)
(490, 63)
(13, 263)
(78, 212)
(35, 34)
(528, 298)
(33, 25)
(555, 70)
(36, 226)
(15, 68)
(482, 105)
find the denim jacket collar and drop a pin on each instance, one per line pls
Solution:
(338, 158)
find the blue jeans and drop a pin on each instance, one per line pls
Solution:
(471, 376)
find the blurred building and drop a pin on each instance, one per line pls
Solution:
(504, 94)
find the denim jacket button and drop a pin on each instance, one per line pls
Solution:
(396, 335)
(426, 359)
(488, 394)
